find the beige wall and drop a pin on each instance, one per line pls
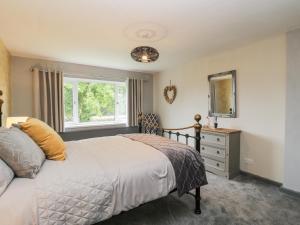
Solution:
(21, 81)
(5, 79)
(261, 73)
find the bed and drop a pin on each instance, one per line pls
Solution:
(102, 177)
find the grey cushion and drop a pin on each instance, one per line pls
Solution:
(6, 176)
(20, 152)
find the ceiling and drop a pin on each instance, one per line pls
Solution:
(103, 32)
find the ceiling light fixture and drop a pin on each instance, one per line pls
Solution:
(144, 54)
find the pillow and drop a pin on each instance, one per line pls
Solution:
(45, 137)
(6, 176)
(20, 152)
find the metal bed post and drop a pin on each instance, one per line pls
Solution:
(197, 128)
(1, 103)
(140, 122)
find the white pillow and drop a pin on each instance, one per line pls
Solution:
(6, 176)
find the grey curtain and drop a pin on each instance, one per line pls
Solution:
(48, 97)
(135, 100)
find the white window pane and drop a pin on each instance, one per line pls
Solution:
(94, 102)
(121, 104)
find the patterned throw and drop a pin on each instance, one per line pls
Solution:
(150, 123)
(186, 161)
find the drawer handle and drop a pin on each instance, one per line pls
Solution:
(203, 137)
(218, 139)
(218, 152)
(203, 148)
(218, 164)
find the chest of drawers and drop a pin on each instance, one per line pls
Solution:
(220, 149)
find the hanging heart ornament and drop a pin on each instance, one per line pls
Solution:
(170, 93)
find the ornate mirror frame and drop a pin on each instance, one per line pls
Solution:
(233, 113)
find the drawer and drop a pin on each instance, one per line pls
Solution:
(215, 164)
(214, 151)
(212, 138)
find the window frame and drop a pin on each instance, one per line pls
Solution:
(75, 124)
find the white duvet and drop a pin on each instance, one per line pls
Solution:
(100, 177)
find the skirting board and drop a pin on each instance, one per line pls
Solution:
(290, 192)
(262, 178)
(281, 188)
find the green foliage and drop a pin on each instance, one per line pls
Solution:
(68, 99)
(95, 100)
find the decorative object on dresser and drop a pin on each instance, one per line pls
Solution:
(1, 103)
(222, 94)
(215, 122)
(170, 93)
(220, 149)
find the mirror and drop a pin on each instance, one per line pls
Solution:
(222, 96)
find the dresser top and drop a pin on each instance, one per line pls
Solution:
(220, 130)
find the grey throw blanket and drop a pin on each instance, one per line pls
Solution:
(186, 161)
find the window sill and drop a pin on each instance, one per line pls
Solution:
(85, 127)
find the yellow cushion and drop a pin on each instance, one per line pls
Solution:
(45, 137)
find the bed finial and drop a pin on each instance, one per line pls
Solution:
(197, 117)
(1, 103)
(197, 125)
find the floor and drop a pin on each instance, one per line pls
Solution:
(243, 200)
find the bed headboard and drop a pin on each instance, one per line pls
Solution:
(174, 131)
(1, 103)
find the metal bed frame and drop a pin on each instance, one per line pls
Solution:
(1, 103)
(169, 131)
(174, 131)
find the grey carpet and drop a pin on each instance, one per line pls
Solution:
(243, 200)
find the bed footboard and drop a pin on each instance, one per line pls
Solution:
(197, 139)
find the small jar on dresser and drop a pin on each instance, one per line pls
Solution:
(220, 149)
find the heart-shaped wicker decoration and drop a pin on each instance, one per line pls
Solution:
(170, 90)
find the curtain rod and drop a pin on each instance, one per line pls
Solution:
(107, 77)
(89, 76)
(45, 67)
(101, 77)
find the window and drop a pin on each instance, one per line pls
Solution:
(94, 102)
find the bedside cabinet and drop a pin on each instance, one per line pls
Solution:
(220, 149)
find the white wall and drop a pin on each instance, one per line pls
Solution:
(21, 81)
(261, 72)
(292, 143)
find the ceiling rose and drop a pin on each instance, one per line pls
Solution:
(145, 31)
(144, 54)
